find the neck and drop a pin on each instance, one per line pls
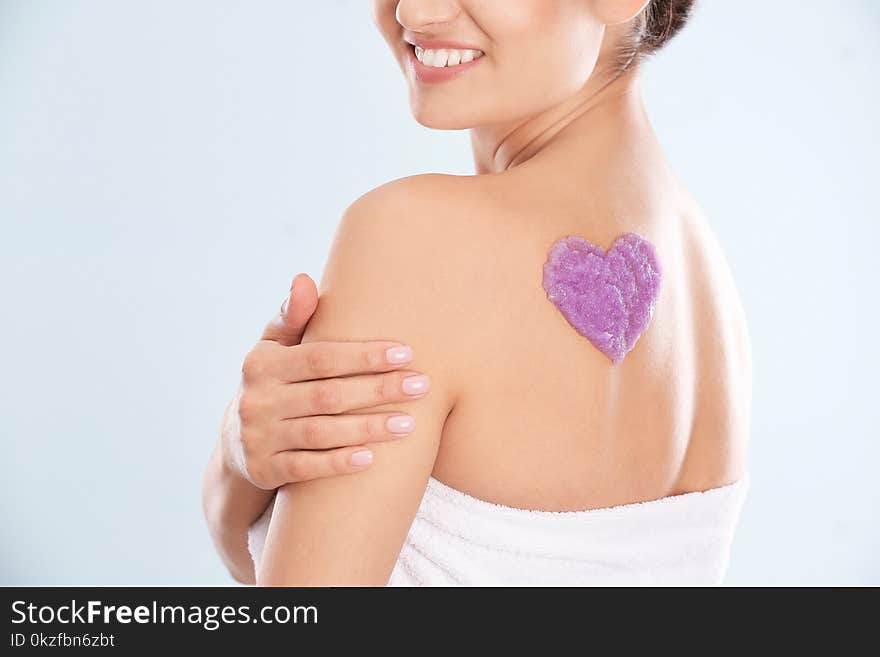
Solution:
(497, 148)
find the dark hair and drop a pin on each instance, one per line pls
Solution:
(659, 21)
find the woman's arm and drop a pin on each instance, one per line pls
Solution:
(272, 433)
(384, 276)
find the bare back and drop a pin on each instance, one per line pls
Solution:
(543, 419)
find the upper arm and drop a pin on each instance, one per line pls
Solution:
(380, 283)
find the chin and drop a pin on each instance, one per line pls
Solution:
(433, 116)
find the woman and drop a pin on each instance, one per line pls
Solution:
(587, 413)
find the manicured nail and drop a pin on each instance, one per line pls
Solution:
(362, 458)
(401, 354)
(401, 423)
(416, 385)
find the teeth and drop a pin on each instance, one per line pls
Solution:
(446, 57)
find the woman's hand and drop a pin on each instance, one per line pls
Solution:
(288, 422)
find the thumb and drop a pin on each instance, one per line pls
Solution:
(289, 324)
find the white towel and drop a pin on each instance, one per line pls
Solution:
(458, 540)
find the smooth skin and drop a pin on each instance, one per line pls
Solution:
(522, 411)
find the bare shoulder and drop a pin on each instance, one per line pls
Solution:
(416, 238)
(404, 219)
(414, 204)
(391, 273)
(436, 218)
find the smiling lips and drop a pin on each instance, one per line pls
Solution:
(439, 62)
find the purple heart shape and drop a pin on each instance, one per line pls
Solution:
(607, 297)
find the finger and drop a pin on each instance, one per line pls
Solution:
(289, 324)
(330, 431)
(324, 360)
(305, 465)
(332, 396)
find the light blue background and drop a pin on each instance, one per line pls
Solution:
(166, 167)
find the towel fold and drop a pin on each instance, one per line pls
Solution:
(458, 540)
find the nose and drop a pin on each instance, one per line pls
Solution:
(419, 15)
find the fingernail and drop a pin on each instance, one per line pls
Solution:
(416, 385)
(285, 305)
(401, 424)
(362, 458)
(401, 354)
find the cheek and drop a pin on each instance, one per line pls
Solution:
(550, 56)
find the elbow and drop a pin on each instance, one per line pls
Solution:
(242, 576)
(226, 541)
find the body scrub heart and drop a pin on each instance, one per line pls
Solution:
(607, 297)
